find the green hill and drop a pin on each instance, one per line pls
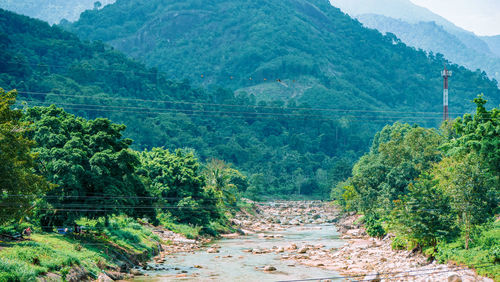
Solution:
(316, 53)
(281, 148)
(419, 27)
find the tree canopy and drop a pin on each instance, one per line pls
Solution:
(92, 165)
(19, 185)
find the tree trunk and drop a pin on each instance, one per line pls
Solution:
(467, 231)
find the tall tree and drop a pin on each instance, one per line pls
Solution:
(471, 188)
(176, 180)
(19, 185)
(92, 165)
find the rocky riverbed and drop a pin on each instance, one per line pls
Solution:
(270, 230)
(361, 257)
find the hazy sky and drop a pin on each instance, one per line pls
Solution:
(479, 16)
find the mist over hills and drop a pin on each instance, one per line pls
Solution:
(421, 28)
(52, 11)
(320, 56)
(493, 42)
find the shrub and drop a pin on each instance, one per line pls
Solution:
(399, 243)
(373, 226)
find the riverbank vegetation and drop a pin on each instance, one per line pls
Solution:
(437, 190)
(91, 200)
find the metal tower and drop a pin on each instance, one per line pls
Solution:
(446, 74)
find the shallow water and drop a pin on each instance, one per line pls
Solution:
(242, 266)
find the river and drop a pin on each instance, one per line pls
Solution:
(235, 263)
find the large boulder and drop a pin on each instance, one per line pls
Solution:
(77, 274)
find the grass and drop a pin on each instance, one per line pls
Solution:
(24, 261)
(484, 252)
(44, 253)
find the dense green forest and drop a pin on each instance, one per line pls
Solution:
(92, 138)
(60, 171)
(268, 141)
(320, 56)
(65, 167)
(438, 190)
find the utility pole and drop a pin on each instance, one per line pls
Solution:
(446, 74)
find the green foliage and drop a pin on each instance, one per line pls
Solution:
(478, 134)
(437, 190)
(176, 179)
(472, 191)
(399, 154)
(91, 164)
(92, 80)
(484, 250)
(190, 231)
(43, 253)
(373, 226)
(13, 270)
(424, 215)
(399, 243)
(324, 74)
(18, 183)
(224, 182)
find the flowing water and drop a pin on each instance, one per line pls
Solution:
(233, 264)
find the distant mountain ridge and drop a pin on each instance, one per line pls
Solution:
(408, 21)
(320, 56)
(52, 11)
(493, 42)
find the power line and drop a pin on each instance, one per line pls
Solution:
(297, 117)
(93, 196)
(161, 110)
(224, 105)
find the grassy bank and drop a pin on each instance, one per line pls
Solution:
(483, 254)
(122, 241)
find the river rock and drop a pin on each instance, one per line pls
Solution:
(77, 274)
(104, 278)
(135, 272)
(114, 275)
(303, 250)
(212, 250)
(454, 278)
(269, 268)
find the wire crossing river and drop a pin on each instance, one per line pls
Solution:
(266, 255)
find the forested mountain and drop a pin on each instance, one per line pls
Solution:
(493, 42)
(320, 56)
(418, 27)
(269, 141)
(53, 11)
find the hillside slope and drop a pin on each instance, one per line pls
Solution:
(409, 21)
(320, 56)
(432, 37)
(281, 148)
